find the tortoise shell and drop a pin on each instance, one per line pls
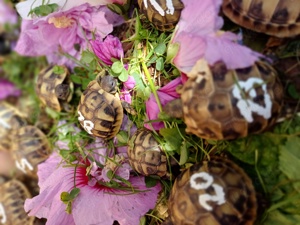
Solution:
(227, 104)
(54, 89)
(12, 198)
(100, 112)
(163, 14)
(280, 18)
(216, 192)
(30, 148)
(10, 118)
(145, 154)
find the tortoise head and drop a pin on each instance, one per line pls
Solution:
(62, 91)
(107, 82)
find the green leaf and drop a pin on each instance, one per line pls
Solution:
(65, 197)
(279, 218)
(87, 57)
(117, 67)
(160, 64)
(58, 69)
(289, 160)
(124, 75)
(184, 154)
(160, 49)
(172, 138)
(74, 193)
(172, 52)
(292, 90)
(122, 137)
(76, 79)
(150, 181)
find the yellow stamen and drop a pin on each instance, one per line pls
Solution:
(61, 22)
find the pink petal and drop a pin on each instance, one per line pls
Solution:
(8, 89)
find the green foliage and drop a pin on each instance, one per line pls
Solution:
(44, 9)
(67, 198)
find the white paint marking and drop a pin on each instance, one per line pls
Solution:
(157, 7)
(2, 214)
(23, 164)
(203, 175)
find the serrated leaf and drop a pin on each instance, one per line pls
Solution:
(172, 138)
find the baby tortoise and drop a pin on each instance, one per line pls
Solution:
(279, 18)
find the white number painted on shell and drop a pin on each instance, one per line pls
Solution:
(159, 9)
(23, 164)
(219, 197)
(87, 124)
(2, 214)
(247, 106)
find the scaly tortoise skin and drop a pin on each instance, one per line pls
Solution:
(30, 148)
(219, 104)
(10, 119)
(145, 154)
(54, 89)
(12, 198)
(279, 18)
(163, 14)
(215, 192)
(100, 109)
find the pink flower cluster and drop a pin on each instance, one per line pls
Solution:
(103, 179)
(8, 89)
(65, 32)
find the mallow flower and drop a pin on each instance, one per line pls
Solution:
(126, 90)
(199, 36)
(7, 14)
(166, 93)
(108, 49)
(65, 32)
(25, 7)
(7, 89)
(108, 190)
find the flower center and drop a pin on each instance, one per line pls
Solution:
(61, 22)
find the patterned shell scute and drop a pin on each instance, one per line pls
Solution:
(228, 104)
(30, 148)
(7, 123)
(145, 154)
(164, 14)
(280, 18)
(216, 192)
(47, 81)
(12, 198)
(100, 113)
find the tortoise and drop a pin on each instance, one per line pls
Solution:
(163, 14)
(145, 154)
(10, 119)
(30, 148)
(54, 90)
(12, 198)
(221, 104)
(215, 192)
(279, 18)
(100, 109)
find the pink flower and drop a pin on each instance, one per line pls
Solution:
(110, 48)
(8, 89)
(65, 32)
(25, 7)
(165, 94)
(198, 36)
(7, 14)
(126, 89)
(96, 203)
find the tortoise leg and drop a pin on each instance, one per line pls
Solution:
(128, 108)
(174, 108)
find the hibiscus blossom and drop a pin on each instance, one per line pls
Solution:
(108, 191)
(165, 94)
(198, 35)
(7, 14)
(65, 32)
(25, 7)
